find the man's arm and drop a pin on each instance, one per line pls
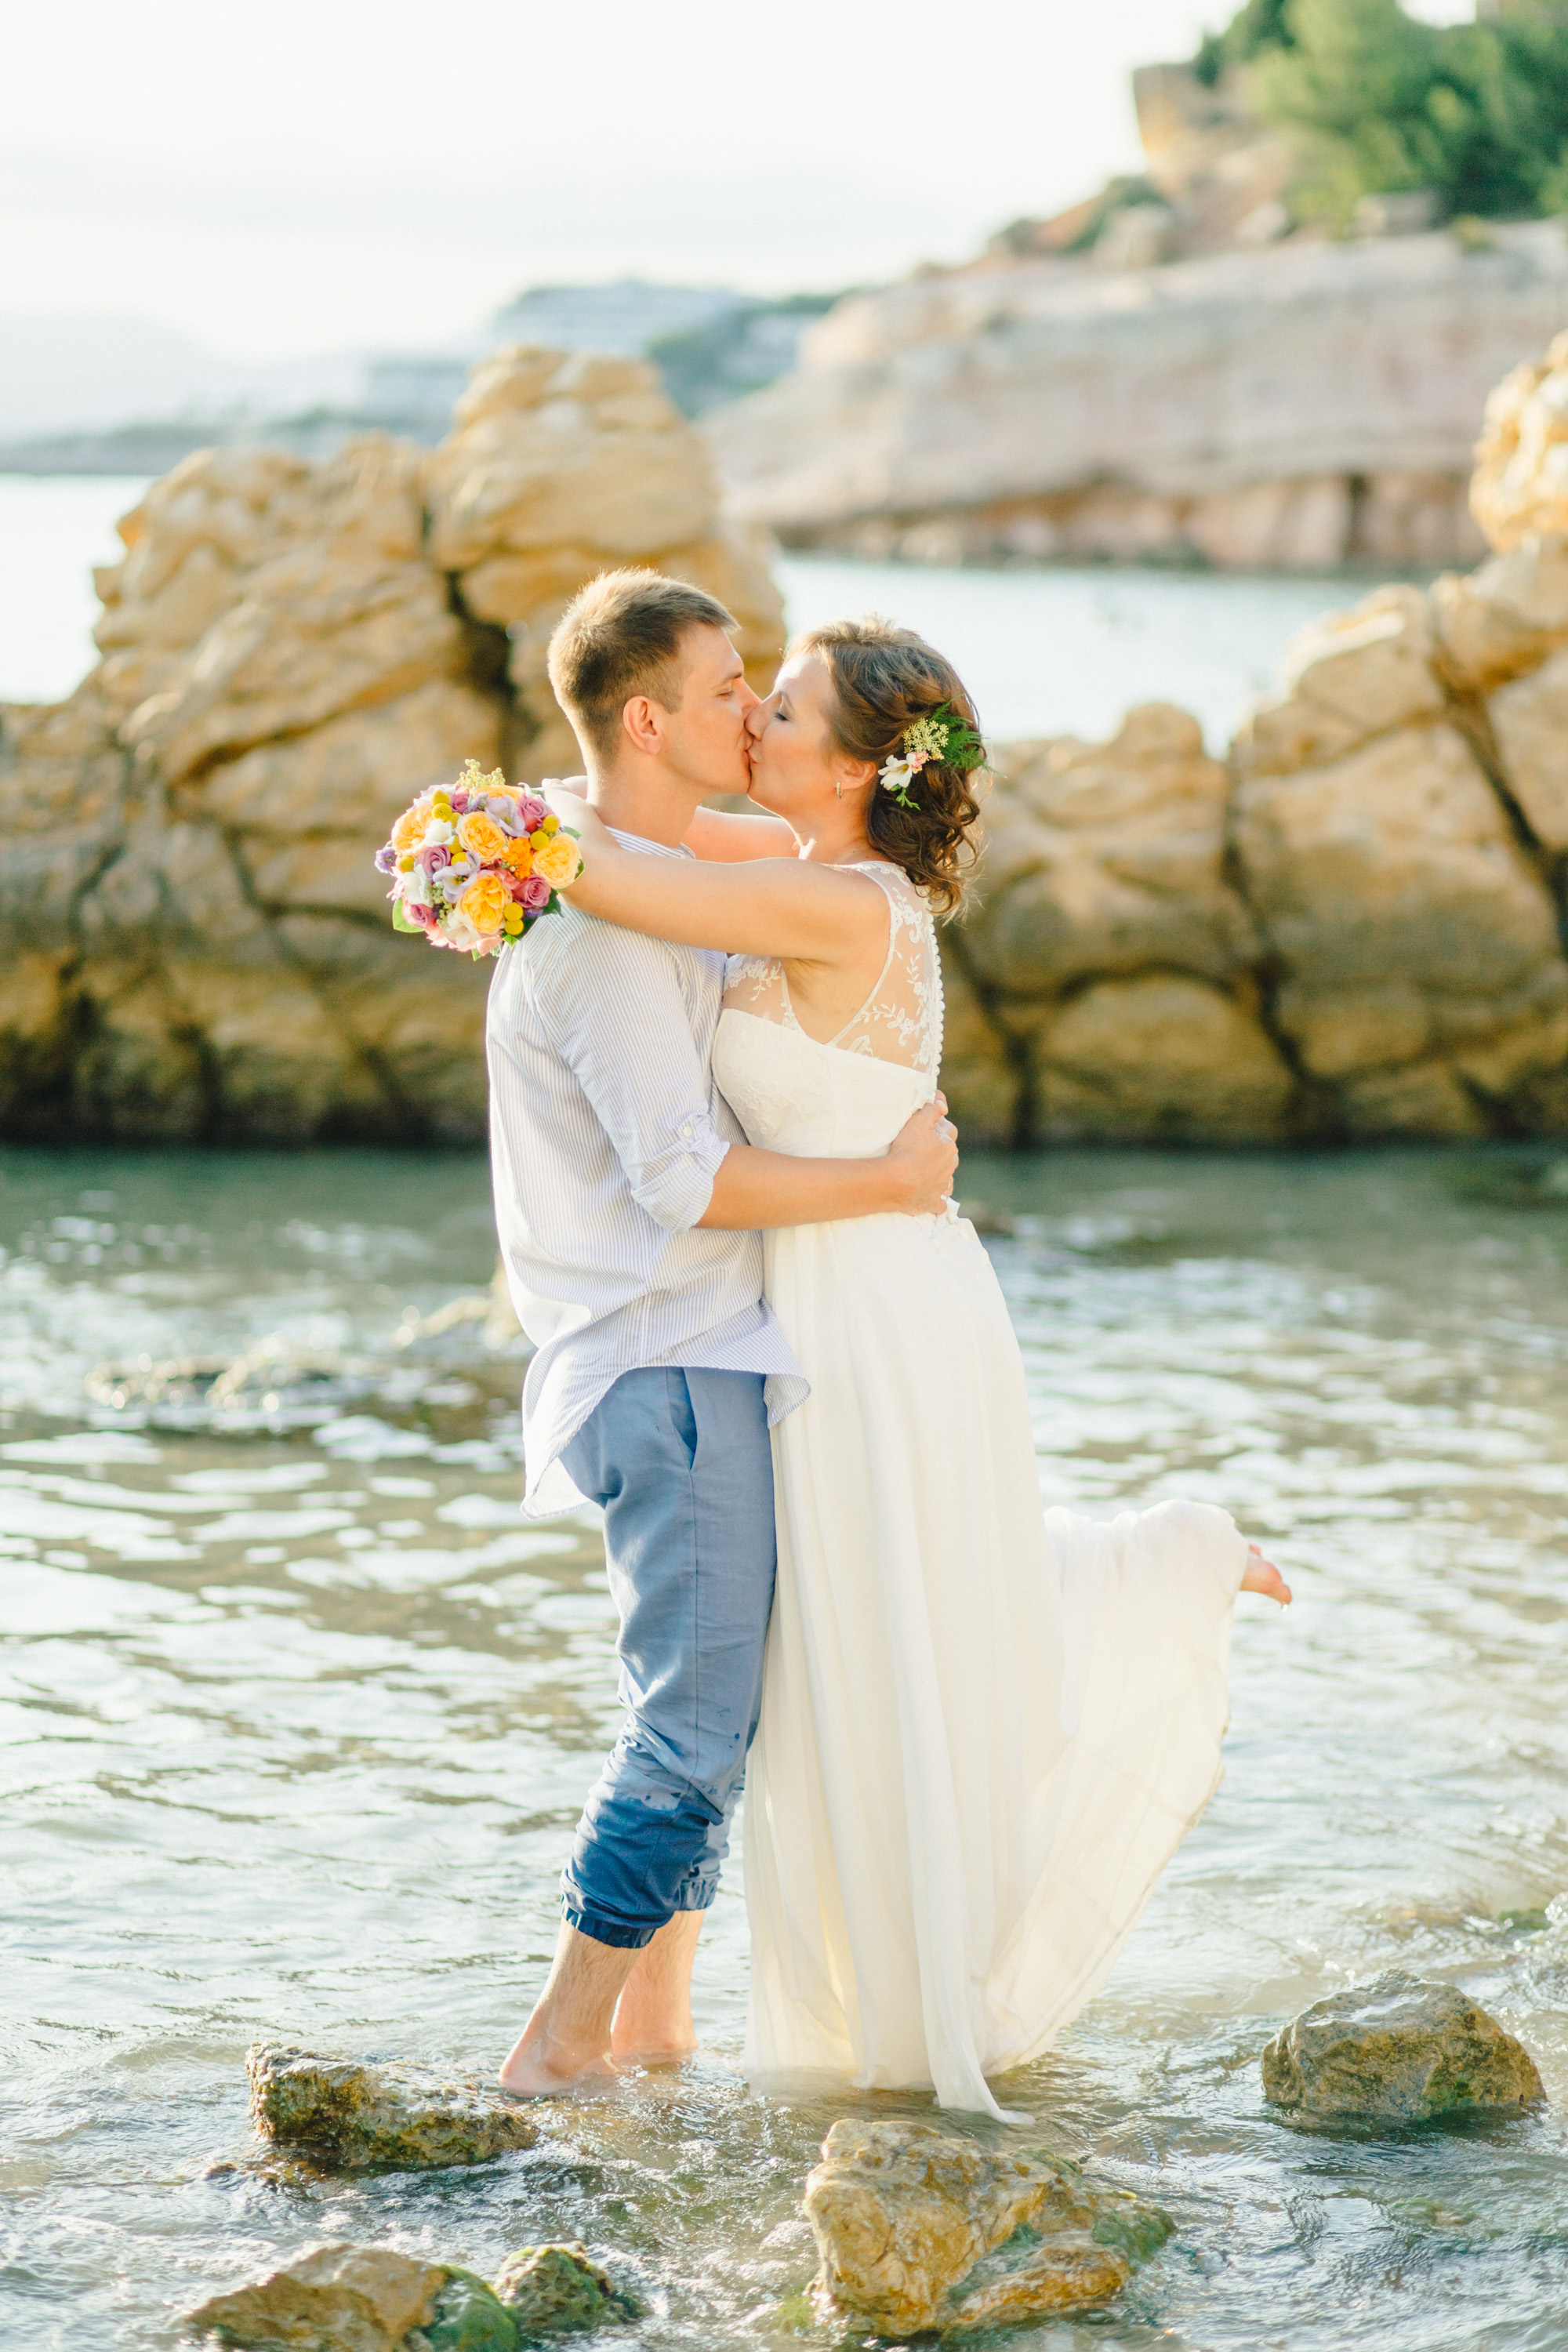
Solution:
(615, 1012)
(754, 1190)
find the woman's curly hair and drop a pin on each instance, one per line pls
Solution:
(885, 679)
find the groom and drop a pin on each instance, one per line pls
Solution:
(630, 1210)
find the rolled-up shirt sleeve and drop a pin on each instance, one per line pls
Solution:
(620, 1021)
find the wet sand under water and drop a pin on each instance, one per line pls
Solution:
(297, 1714)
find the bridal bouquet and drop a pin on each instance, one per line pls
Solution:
(473, 864)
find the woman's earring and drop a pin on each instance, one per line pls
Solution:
(838, 792)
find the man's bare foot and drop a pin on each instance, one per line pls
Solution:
(532, 2071)
(1262, 1576)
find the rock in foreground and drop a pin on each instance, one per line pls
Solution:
(344, 2116)
(920, 2230)
(350, 2298)
(558, 2291)
(1398, 2051)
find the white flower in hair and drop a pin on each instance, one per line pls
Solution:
(939, 736)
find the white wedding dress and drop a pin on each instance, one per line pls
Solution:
(985, 1725)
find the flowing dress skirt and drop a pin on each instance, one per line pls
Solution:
(987, 1725)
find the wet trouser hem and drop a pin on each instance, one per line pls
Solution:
(618, 1934)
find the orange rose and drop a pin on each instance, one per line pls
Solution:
(482, 838)
(519, 857)
(485, 902)
(558, 861)
(409, 830)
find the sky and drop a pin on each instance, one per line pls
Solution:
(319, 174)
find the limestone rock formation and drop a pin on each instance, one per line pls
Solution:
(1354, 931)
(920, 2230)
(196, 943)
(1290, 408)
(354, 2299)
(1398, 2051)
(340, 2116)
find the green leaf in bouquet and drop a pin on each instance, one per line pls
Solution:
(400, 921)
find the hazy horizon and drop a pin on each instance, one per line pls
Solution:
(338, 182)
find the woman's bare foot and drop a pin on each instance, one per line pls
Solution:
(1262, 1576)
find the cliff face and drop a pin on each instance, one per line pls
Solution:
(196, 943)
(1293, 408)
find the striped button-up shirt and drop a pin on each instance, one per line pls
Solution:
(607, 1130)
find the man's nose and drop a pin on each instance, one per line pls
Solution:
(750, 698)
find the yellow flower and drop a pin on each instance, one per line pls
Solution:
(552, 822)
(405, 865)
(519, 857)
(409, 830)
(512, 922)
(541, 837)
(485, 902)
(481, 838)
(558, 861)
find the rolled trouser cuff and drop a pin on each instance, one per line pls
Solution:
(624, 1935)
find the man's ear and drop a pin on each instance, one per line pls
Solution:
(641, 718)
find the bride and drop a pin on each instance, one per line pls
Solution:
(985, 1725)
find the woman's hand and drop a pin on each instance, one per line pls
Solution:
(577, 815)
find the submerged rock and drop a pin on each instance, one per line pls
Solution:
(918, 2228)
(559, 2291)
(350, 2298)
(342, 2116)
(470, 2317)
(1400, 2051)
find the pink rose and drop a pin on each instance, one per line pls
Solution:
(535, 893)
(459, 803)
(532, 811)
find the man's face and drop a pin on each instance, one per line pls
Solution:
(705, 740)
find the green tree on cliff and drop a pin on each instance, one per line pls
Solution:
(1380, 101)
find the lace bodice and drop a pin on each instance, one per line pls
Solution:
(901, 1021)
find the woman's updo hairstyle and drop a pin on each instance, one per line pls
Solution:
(885, 680)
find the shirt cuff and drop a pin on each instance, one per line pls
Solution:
(677, 1189)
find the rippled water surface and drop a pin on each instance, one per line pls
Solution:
(298, 1715)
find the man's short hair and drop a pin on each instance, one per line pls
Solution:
(621, 635)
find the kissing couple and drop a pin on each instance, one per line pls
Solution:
(772, 1349)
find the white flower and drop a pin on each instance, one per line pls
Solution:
(437, 834)
(459, 930)
(416, 889)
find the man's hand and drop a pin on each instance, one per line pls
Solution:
(921, 1159)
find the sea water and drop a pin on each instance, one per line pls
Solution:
(298, 1713)
(1045, 653)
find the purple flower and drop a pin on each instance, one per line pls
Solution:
(387, 860)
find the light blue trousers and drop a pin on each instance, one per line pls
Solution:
(681, 1463)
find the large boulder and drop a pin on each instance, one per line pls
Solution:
(342, 2116)
(920, 2230)
(1398, 2051)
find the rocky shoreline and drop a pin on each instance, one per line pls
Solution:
(1349, 928)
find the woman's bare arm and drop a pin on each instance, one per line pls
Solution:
(761, 906)
(726, 837)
